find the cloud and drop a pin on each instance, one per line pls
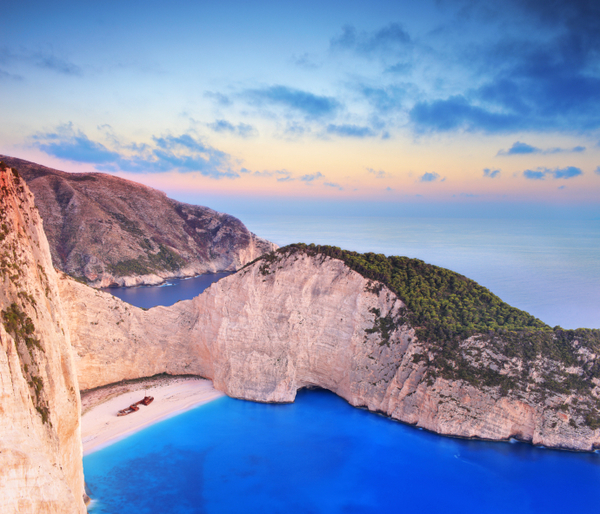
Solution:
(542, 74)
(73, 145)
(597, 170)
(389, 189)
(491, 173)
(389, 39)
(5, 75)
(308, 104)
(350, 131)
(241, 129)
(305, 61)
(378, 173)
(54, 63)
(519, 148)
(219, 98)
(312, 177)
(429, 177)
(185, 153)
(557, 173)
(385, 99)
(333, 184)
(457, 113)
(39, 59)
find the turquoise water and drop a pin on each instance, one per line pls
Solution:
(320, 455)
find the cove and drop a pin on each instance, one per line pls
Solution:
(173, 290)
(320, 455)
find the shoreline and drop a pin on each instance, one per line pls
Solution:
(173, 395)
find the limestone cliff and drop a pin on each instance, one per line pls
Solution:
(295, 319)
(111, 231)
(40, 448)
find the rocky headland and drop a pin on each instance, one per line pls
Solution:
(303, 317)
(110, 231)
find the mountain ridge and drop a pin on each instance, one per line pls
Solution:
(107, 230)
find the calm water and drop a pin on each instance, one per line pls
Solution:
(549, 268)
(172, 291)
(319, 455)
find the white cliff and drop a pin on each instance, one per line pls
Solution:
(40, 446)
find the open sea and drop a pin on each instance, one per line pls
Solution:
(319, 455)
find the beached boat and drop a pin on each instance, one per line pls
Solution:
(128, 410)
(147, 400)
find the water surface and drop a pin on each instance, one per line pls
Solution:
(320, 455)
(173, 290)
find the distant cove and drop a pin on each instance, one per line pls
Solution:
(172, 291)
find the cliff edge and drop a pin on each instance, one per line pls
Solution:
(40, 446)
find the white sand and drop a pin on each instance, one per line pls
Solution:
(100, 425)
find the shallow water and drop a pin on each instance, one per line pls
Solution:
(320, 455)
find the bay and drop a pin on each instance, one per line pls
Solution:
(172, 291)
(320, 455)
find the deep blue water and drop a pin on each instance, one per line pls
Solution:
(173, 290)
(320, 455)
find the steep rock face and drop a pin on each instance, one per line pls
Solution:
(301, 321)
(40, 448)
(112, 231)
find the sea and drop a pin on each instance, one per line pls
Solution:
(320, 455)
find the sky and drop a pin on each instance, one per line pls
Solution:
(460, 106)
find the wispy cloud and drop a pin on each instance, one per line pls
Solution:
(557, 173)
(597, 170)
(487, 172)
(185, 153)
(378, 173)
(241, 129)
(312, 177)
(391, 38)
(350, 131)
(333, 184)
(303, 102)
(519, 148)
(41, 59)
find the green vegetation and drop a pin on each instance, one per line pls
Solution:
(164, 260)
(446, 308)
(442, 303)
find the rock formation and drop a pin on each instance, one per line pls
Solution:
(40, 448)
(111, 231)
(295, 319)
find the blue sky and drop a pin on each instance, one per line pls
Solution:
(444, 102)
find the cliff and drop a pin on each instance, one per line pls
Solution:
(301, 318)
(111, 231)
(40, 448)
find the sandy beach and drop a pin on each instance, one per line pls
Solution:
(100, 425)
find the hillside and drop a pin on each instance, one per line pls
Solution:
(109, 231)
